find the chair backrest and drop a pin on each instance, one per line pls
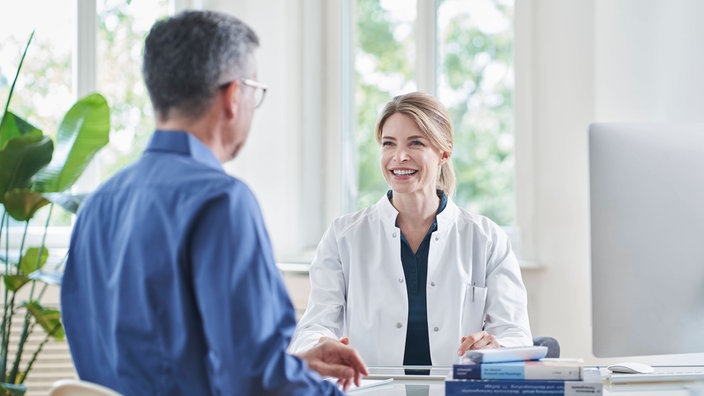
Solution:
(550, 342)
(73, 387)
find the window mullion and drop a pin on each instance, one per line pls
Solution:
(348, 147)
(426, 46)
(84, 65)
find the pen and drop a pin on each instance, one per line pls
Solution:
(474, 286)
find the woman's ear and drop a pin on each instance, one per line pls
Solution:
(444, 156)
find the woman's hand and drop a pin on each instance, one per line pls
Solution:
(480, 340)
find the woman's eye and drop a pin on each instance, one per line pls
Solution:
(417, 143)
(386, 143)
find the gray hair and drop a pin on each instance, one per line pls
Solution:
(188, 56)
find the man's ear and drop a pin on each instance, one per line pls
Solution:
(229, 99)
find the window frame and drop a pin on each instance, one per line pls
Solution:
(426, 79)
(84, 81)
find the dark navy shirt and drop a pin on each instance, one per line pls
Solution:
(171, 287)
(415, 269)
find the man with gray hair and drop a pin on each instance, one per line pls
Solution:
(170, 286)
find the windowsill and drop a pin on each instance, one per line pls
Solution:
(293, 267)
(303, 267)
(530, 265)
(56, 237)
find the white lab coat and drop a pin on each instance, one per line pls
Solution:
(358, 286)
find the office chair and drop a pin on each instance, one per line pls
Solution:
(550, 342)
(73, 387)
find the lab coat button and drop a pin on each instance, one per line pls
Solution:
(432, 284)
(393, 234)
(398, 325)
(436, 329)
(400, 280)
(437, 239)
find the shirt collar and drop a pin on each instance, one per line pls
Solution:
(182, 143)
(441, 195)
(390, 214)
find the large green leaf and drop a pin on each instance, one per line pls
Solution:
(13, 283)
(34, 259)
(5, 133)
(49, 319)
(22, 204)
(12, 389)
(12, 126)
(84, 130)
(21, 158)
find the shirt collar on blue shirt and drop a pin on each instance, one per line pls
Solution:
(179, 142)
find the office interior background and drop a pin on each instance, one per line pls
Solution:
(573, 62)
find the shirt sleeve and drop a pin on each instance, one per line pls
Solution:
(324, 316)
(247, 316)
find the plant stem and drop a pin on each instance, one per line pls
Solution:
(39, 349)
(12, 377)
(24, 238)
(41, 248)
(12, 88)
(5, 224)
(27, 316)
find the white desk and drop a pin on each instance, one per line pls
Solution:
(419, 386)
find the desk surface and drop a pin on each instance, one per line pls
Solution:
(404, 385)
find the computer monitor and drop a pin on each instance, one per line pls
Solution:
(647, 238)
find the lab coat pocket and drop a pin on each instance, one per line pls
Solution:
(473, 309)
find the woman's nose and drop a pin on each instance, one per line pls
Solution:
(401, 155)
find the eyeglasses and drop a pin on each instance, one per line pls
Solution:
(259, 89)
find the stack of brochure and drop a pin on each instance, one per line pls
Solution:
(555, 377)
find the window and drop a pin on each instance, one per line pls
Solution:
(460, 50)
(43, 92)
(121, 29)
(59, 68)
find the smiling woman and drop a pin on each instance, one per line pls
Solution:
(414, 272)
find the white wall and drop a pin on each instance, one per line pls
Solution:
(554, 103)
(576, 62)
(284, 158)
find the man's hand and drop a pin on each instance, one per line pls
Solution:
(480, 340)
(333, 358)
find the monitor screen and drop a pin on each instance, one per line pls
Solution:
(647, 238)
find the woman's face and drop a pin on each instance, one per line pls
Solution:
(409, 162)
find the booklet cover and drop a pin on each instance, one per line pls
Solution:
(591, 384)
(545, 369)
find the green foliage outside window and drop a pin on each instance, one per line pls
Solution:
(122, 27)
(474, 73)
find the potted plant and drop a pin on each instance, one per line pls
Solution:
(36, 173)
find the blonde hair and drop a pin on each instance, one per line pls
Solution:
(432, 118)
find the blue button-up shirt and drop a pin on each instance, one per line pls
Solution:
(171, 288)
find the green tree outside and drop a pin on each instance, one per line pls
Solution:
(475, 66)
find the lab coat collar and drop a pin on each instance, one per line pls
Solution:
(446, 218)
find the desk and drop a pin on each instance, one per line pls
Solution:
(435, 386)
